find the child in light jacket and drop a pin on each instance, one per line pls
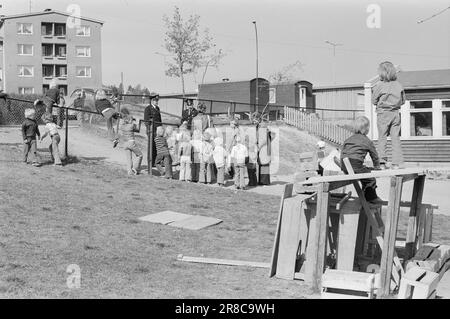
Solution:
(185, 156)
(238, 155)
(206, 160)
(51, 129)
(128, 129)
(220, 155)
(197, 147)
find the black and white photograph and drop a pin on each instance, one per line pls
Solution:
(225, 155)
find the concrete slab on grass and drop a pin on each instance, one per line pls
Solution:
(196, 222)
(165, 217)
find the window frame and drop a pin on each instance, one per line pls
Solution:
(25, 87)
(420, 110)
(88, 50)
(20, 31)
(85, 68)
(23, 45)
(83, 27)
(26, 66)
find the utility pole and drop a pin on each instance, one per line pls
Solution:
(334, 57)
(257, 80)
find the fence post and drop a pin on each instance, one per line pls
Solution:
(150, 147)
(66, 142)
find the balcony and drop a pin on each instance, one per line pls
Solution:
(53, 32)
(54, 53)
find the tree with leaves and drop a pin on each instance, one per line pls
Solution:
(287, 74)
(188, 46)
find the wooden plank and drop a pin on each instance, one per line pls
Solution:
(338, 184)
(319, 241)
(287, 192)
(414, 215)
(387, 256)
(289, 238)
(374, 174)
(348, 230)
(331, 295)
(227, 262)
(428, 231)
(348, 280)
(196, 222)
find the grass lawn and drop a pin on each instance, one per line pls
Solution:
(86, 213)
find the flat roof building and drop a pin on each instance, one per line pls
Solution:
(41, 46)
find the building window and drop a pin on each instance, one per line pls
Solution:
(47, 71)
(421, 118)
(272, 95)
(61, 71)
(446, 118)
(83, 71)
(61, 50)
(25, 49)
(60, 30)
(47, 29)
(26, 90)
(83, 51)
(47, 50)
(26, 71)
(83, 31)
(24, 28)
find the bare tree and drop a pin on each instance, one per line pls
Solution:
(287, 74)
(210, 60)
(188, 47)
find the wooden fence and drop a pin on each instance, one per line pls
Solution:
(311, 123)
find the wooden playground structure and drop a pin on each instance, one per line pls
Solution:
(342, 246)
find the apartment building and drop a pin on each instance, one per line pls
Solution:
(38, 47)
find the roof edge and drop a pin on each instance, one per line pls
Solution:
(15, 16)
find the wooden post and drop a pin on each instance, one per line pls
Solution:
(66, 138)
(150, 147)
(387, 256)
(414, 215)
(287, 192)
(317, 245)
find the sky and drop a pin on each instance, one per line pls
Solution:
(288, 31)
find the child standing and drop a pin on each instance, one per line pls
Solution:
(388, 95)
(52, 130)
(128, 129)
(171, 138)
(51, 97)
(185, 156)
(30, 130)
(206, 159)
(355, 149)
(220, 155)
(162, 154)
(197, 147)
(238, 154)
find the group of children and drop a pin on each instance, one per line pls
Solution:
(201, 157)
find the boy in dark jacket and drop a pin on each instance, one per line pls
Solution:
(30, 130)
(355, 149)
(104, 106)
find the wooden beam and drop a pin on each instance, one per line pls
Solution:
(287, 192)
(339, 184)
(387, 256)
(414, 215)
(373, 174)
(227, 262)
(319, 241)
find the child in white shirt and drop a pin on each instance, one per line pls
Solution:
(185, 156)
(220, 155)
(52, 130)
(197, 147)
(238, 154)
(206, 160)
